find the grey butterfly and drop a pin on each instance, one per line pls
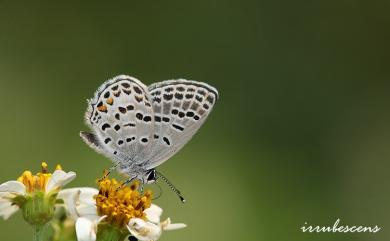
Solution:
(139, 127)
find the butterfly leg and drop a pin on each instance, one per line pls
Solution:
(142, 187)
(107, 172)
(127, 182)
(132, 179)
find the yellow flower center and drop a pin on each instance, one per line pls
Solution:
(120, 204)
(36, 182)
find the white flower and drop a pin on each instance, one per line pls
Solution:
(82, 206)
(152, 228)
(8, 191)
(80, 202)
(86, 229)
(13, 191)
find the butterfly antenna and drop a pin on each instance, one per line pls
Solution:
(174, 189)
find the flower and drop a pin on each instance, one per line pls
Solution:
(114, 210)
(34, 194)
(80, 202)
(152, 228)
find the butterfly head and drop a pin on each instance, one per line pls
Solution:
(150, 176)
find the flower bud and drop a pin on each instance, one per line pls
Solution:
(38, 209)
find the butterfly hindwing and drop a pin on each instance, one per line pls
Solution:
(180, 108)
(122, 118)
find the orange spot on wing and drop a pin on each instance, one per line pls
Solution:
(110, 101)
(102, 108)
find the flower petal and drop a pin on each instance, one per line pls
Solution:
(7, 209)
(80, 202)
(85, 230)
(153, 213)
(84, 194)
(87, 211)
(167, 225)
(59, 179)
(12, 187)
(144, 231)
(174, 226)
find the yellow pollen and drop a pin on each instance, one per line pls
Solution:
(120, 204)
(44, 167)
(36, 182)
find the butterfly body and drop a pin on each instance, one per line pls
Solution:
(139, 127)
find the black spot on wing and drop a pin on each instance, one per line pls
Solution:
(137, 90)
(115, 88)
(126, 85)
(180, 88)
(105, 126)
(129, 124)
(168, 97)
(189, 96)
(178, 96)
(122, 110)
(166, 119)
(147, 118)
(168, 89)
(210, 99)
(144, 140)
(157, 99)
(174, 111)
(198, 98)
(139, 116)
(166, 140)
(177, 127)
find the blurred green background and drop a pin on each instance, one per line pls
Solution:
(301, 132)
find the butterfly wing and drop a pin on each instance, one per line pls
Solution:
(180, 108)
(121, 117)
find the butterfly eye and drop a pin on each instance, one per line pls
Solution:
(151, 176)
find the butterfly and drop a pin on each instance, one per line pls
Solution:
(140, 127)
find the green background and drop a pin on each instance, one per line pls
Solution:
(300, 133)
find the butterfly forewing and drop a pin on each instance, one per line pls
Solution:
(121, 116)
(180, 108)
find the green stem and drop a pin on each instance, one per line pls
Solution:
(37, 232)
